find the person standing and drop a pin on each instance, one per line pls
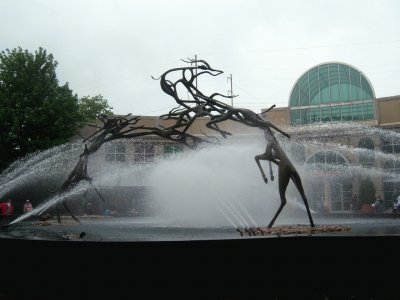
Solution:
(3, 209)
(379, 205)
(395, 195)
(398, 203)
(27, 206)
(10, 207)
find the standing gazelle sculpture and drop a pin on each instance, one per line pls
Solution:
(273, 152)
(203, 105)
(286, 171)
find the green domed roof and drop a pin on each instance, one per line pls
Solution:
(331, 92)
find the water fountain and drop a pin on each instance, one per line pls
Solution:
(199, 201)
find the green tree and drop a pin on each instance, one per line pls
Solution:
(367, 191)
(90, 107)
(35, 111)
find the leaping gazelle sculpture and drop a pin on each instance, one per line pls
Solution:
(219, 111)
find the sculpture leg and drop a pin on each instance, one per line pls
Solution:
(297, 182)
(270, 171)
(97, 192)
(283, 178)
(58, 213)
(258, 158)
(64, 202)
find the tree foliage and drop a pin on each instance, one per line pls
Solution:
(36, 112)
(367, 191)
(90, 107)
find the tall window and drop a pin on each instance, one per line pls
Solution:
(392, 168)
(328, 162)
(144, 152)
(391, 144)
(367, 157)
(115, 152)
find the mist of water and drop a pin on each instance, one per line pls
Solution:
(50, 166)
(217, 185)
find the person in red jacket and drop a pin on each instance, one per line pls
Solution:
(3, 209)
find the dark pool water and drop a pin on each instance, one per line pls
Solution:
(156, 229)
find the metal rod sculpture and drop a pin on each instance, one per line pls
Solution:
(219, 112)
(124, 127)
(185, 114)
(115, 127)
(273, 153)
(193, 108)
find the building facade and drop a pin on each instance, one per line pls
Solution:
(334, 105)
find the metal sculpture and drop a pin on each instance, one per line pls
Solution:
(219, 112)
(113, 128)
(200, 105)
(190, 109)
(273, 153)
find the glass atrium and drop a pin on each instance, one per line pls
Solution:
(331, 92)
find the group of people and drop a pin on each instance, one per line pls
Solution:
(7, 208)
(380, 206)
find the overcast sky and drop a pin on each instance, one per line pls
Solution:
(113, 47)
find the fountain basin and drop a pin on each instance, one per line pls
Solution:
(201, 261)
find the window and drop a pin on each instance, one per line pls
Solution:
(315, 114)
(327, 160)
(388, 189)
(336, 113)
(294, 98)
(367, 157)
(346, 113)
(144, 152)
(334, 82)
(171, 150)
(295, 117)
(344, 75)
(304, 91)
(392, 168)
(115, 152)
(391, 144)
(298, 152)
(314, 87)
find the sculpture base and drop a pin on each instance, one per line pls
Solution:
(293, 229)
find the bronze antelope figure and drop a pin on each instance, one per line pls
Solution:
(286, 171)
(273, 153)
